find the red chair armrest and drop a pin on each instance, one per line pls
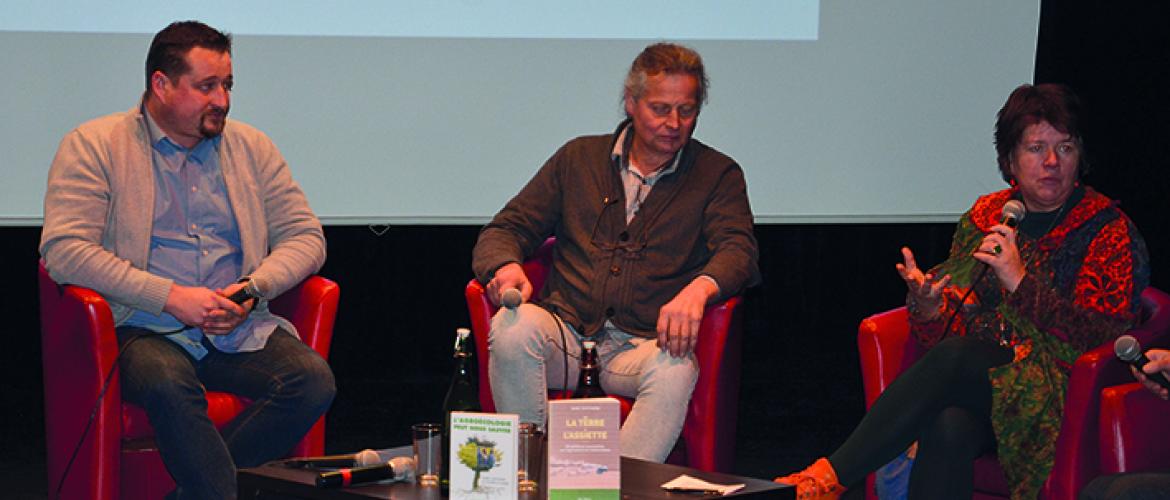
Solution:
(885, 348)
(1132, 432)
(311, 306)
(709, 431)
(1077, 453)
(481, 311)
(79, 347)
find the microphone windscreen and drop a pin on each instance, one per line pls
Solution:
(1127, 348)
(403, 468)
(366, 458)
(1013, 213)
(511, 298)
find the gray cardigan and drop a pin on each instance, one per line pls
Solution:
(100, 199)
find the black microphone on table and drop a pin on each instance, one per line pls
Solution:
(362, 458)
(1129, 350)
(250, 290)
(396, 469)
(511, 298)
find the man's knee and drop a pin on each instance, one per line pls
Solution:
(515, 332)
(668, 375)
(315, 384)
(323, 387)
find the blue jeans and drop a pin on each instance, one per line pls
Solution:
(528, 358)
(290, 386)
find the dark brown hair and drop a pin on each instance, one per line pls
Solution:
(170, 47)
(1031, 104)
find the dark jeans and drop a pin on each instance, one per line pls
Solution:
(1132, 486)
(290, 386)
(944, 402)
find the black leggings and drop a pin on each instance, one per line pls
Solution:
(944, 402)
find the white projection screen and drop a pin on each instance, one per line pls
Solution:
(438, 111)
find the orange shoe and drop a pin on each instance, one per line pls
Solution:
(816, 482)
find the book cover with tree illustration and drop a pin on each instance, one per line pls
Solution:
(584, 450)
(483, 455)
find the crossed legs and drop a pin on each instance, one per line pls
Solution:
(944, 402)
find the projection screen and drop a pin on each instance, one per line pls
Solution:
(437, 111)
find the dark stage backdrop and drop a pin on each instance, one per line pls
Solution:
(402, 289)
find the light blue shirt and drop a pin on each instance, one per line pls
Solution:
(637, 186)
(195, 240)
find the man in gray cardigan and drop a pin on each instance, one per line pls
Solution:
(651, 226)
(166, 210)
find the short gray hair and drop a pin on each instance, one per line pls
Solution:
(666, 58)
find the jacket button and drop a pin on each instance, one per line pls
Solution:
(609, 312)
(615, 270)
(624, 236)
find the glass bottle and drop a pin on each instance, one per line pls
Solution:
(463, 394)
(589, 377)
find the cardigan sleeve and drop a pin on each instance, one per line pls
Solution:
(78, 202)
(296, 241)
(727, 227)
(524, 222)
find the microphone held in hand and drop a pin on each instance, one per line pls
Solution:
(397, 469)
(250, 290)
(362, 458)
(1013, 213)
(1129, 350)
(511, 298)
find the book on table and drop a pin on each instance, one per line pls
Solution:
(584, 449)
(483, 455)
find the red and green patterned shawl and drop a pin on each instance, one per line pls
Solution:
(1081, 290)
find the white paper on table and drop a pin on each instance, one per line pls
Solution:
(694, 484)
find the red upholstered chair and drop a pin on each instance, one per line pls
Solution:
(118, 458)
(886, 348)
(1132, 435)
(709, 430)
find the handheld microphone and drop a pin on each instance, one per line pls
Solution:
(250, 290)
(364, 458)
(397, 469)
(1013, 213)
(1128, 350)
(511, 298)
